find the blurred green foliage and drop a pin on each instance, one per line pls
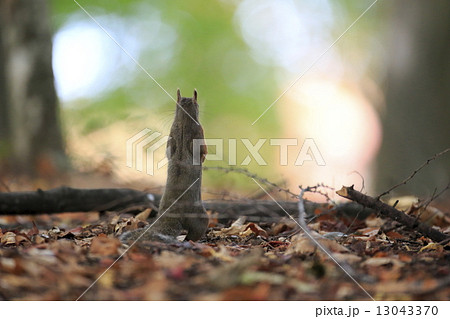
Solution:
(209, 54)
(209, 51)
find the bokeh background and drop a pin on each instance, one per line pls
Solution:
(376, 102)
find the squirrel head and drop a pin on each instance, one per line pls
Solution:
(187, 106)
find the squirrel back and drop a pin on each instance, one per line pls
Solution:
(181, 207)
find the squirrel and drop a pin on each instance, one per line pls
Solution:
(181, 206)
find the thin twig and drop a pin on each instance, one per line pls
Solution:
(423, 206)
(354, 219)
(316, 237)
(5, 186)
(246, 172)
(225, 195)
(435, 156)
(362, 179)
(436, 195)
(316, 189)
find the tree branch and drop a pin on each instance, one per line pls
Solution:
(65, 199)
(392, 213)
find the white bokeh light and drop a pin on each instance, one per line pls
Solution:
(79, 62)
(88, 63)
(283, 32)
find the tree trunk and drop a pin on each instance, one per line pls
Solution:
(4, 123)
(416, 123)
(31, 134)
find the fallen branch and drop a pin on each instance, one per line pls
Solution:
(65, 199)
(254, 210)
(392, 213)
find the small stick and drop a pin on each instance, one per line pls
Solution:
(436, 195)
(5, 186)
(362, 179)
(246, 172)
(314, 237)
(392, 213)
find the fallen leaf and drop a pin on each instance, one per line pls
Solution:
(257, 230)
(285, 224)
(239, 229)
(20, 239)
(144, 215)
(9, 238)
(105, 246)
(107, 279)
(382, 261)
(239, 222)
(395, 235)
(373, 221)
(428, 215)
(432, 246)
(334, 235)
(38, 240)
(33, 231)
(76, 231)
(405, 258)
(54, 232)
(403, 203)
(221, 254)
(349, 258)
(252, 277)
(369, 231)
(304, 245)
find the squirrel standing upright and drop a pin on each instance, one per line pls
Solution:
(181, 206)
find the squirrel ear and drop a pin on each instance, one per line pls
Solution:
(195, 95)
(178, 96)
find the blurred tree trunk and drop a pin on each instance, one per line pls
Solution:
(30, 130)
(4, 125)
(416, 123)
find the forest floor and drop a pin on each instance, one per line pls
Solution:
(78, 256)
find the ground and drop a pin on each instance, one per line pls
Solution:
(78, 256)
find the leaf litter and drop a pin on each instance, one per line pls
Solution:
(60, 257)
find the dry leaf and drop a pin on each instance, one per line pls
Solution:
(369, 231)
(222, 254)
(239, 222)
(238, 228)
(38, 240)
(395, 235)
(429, 215)
(349, 258)
(285, 224)
(373, 221)
(20, 239)
(304, 245)
(142, 216)
(256, 229)
(105, 246)
(382, 261)
(9, 238)
(432, 246)
(404, 203)
(33, 231)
